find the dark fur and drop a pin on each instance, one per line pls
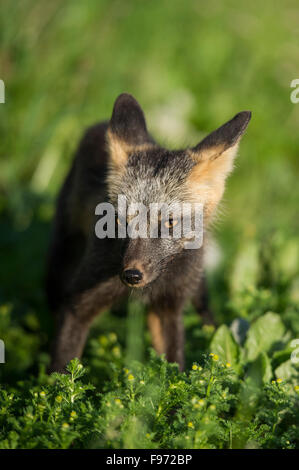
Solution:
(84, 272)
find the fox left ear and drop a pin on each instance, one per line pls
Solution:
(214, 157)
(127, 129)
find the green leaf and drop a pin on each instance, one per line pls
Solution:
(287, 371)
(260, 370)
(263, 334)
(245, 271)
(287, 258)
(258, 373)
(224, 345)
(281, 356)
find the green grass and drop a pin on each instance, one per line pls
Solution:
(192, 66)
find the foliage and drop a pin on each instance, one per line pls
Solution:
(149, 406)
(192, 67)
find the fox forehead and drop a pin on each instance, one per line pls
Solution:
(155, 175)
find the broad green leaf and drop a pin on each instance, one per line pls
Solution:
(288, 258)
(245, 271)
(258, 373)
(281, 356)
(224, 345)
(263, 334)
(287, 371)
(260, 370)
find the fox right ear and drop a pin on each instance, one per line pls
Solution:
(127, 129)
(214, 159)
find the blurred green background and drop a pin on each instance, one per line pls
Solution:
(192, 65)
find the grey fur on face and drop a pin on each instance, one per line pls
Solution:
(154, 175)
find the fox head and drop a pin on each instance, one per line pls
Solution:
(146, 173)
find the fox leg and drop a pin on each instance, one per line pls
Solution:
(70, 337)
(72, 326)
(74, 319)
(154, 321)
(167, 331)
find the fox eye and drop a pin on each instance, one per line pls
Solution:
(171, 223)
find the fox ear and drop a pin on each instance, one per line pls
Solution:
(127, 129)
(214, 157)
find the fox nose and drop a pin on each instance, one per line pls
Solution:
(132, 276)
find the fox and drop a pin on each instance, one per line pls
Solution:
(87, 274)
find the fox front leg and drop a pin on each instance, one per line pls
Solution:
(167, 332)
(72, 325)
(70, 337)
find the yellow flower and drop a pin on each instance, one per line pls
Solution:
(211, 354)
(42, 394)
(131, 377)
(148, 435)
(215, 357)
(228, 364)
(73, 414)
(65, 426)
(194, 367)
(112, 337)
(116, 351)
(117, 401)
(199, 403)
(126, 371)
(58, 398)
(208, 328)
(279, 381)
(190, 424)
(296, 388)
(103, 340)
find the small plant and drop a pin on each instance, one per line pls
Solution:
(149, 406)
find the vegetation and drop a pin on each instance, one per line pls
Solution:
(192, 66)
